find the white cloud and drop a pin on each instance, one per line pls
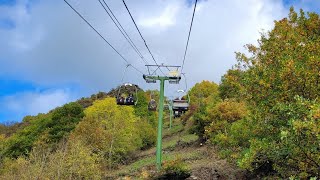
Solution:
(32, 103)
(58, 47)
(166, 19)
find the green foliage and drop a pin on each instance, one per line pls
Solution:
(141, 109)
(110, 130)
(10, 128)
(64, 120)
(230, 86)
(297, 151)
(286, 61)
(223, 115)
(229, 110)
(202, 95)
(280, 84)
(200, 121)
(22, 142)
(147, 133)
(43, 129)
(175, 169)
(148, 119)
(72, 160)
(86, 102)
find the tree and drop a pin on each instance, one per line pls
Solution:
(286, 63)
(280, 84)
(64, 120)
(46, 129)
(204, 92)
(203, 95)
(231, 84)
(23, 140)
(141, 109)
(110, 130)
(71, 160)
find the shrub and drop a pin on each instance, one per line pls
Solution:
(175, 169)
(72, 160)
(110, 130)
(147, 133)
(223, 114)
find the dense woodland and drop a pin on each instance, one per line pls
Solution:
(263, 117)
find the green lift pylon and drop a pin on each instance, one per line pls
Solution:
(173, 78)
(171, 112)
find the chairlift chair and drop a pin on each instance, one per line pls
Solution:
(152, 106)
(149, 80)
(129, 100)
(174, 77)
(181, 105)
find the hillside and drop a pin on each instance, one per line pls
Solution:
(262, 121)
(201, 160)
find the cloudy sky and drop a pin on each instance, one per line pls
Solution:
(49, 56)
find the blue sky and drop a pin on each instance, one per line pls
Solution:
(7, 2)
(49, 57)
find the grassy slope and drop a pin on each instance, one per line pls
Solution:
(177, 143)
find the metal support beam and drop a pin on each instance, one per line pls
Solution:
(152, 78)
(171, 114)
(159, 138)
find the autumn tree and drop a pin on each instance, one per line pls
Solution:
(71, 160)
(203, 95)
(64, 120)
(280, 84)
(110, 130)
(47, 129)
(231, 86)
(204, 92)
(141, 109)
(22, 142)
(286, 63)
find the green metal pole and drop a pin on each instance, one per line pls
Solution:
(159, 138)
(170, 110)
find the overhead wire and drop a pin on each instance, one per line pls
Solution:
(121, 29)
(101, 36)
(145, 43)
(185, 52)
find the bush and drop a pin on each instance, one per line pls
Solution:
(175, 169)
(110, 130)
(71, 160)
(290, 150)
(147, 133)
(47, 129)
(279, 82)
(223, 115)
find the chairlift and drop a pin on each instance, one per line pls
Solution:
(181, 105)
(127, 99)
(152, 106)
(149, 80)
(174, 77)
(124, 96)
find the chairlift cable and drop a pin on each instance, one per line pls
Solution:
(124, 73)
(185, 52)
(145, 43)
(122, 30)
(185, 80)
(101, 36)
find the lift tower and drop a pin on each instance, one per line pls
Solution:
(173, 77)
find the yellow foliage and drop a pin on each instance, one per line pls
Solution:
(228, 110)
(109, 129)
(71, 161)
